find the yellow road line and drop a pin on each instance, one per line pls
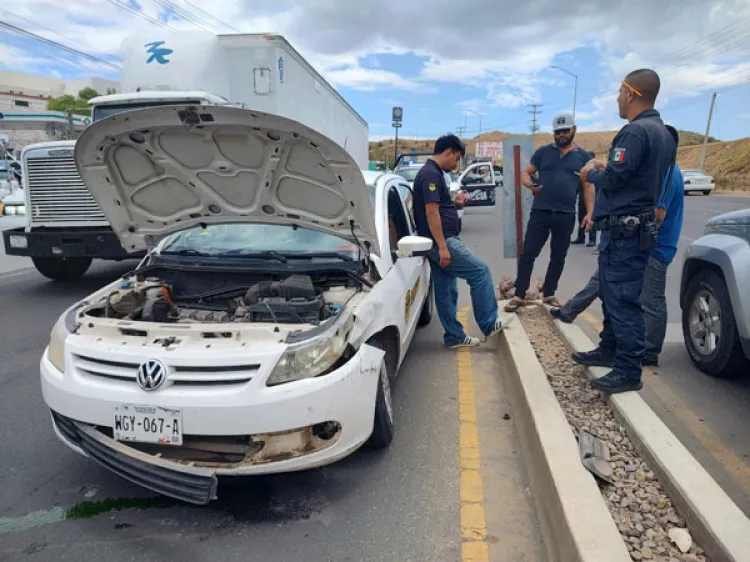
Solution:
(474, 545)
(737, 469)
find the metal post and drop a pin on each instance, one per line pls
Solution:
(395, 149)
(518, 201)
(71, 128)
(708, 128)
(575, 95)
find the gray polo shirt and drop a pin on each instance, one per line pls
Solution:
(558, 174)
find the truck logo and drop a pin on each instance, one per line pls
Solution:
(62, 152)
(157, 52)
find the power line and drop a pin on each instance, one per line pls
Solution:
(184, 14)
(138, 13)
(197, 9)
(19, 31)
(27, 20)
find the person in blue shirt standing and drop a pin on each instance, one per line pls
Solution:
(628, 188)
(653, 294)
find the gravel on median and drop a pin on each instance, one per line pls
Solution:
(639, 505)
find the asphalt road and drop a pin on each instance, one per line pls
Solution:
(401, 504)
(710, 416)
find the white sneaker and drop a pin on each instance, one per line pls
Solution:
(500, 325)
(468, 342)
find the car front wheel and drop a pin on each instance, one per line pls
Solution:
(709, 327)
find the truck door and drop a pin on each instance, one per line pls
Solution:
(478, 180)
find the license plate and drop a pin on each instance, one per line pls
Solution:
(147, 424)
(479, 196)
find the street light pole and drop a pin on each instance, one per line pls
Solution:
(575, 87)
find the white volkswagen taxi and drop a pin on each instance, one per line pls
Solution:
(279, 296)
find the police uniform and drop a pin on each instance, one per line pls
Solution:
(626, 194)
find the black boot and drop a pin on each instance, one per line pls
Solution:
(613, 383)
(595, 358)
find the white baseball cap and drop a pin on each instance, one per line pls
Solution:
(563, 121)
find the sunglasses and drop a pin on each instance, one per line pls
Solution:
(562, 131)
(629, 87)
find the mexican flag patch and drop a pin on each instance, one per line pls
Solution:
(618, 155)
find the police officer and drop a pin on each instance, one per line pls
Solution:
(628, 187)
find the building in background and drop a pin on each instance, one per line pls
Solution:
(24, 116)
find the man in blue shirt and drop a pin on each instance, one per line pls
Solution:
(653, 294)
(436, 217)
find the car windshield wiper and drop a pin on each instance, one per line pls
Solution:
(265, 254)
(186, 252)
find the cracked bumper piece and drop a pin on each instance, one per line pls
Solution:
(243, 431)
(189, 484)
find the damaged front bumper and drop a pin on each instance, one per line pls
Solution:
(291, 430)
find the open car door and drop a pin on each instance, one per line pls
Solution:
(480, 183)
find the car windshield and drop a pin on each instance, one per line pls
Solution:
(408, 173)
(248, 239)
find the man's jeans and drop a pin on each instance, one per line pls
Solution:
(653, 301)
(541, 225)
(465, 265)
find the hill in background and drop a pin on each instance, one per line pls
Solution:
(728, 162)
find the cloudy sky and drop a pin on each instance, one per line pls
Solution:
(444, 61)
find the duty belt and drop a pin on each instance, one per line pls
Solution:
(629, 222)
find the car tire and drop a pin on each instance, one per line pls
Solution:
(706, 192)
(62, 269)
(384, 427)
(428, 308)
(727, 358)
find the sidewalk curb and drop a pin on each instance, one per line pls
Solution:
(716, 522)
(575, 522)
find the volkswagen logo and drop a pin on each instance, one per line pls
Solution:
(151, 374)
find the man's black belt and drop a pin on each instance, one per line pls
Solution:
(629, 222)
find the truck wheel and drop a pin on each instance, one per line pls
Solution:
(384, 427)
(709, 327)
(62, 269)
(427, 309)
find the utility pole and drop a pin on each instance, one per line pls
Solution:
(71, 128)
(460, 131)
(535, 110)
(708, 127)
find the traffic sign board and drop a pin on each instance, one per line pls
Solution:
(398, 114)
(397, 124)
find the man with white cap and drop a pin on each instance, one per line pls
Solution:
(553, 213)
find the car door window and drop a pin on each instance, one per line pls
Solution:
(398, 224)
(407, 196)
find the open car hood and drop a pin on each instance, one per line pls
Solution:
(159, 170)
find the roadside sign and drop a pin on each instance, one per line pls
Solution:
(489, 149)
(398, 114)
(397, 124)
(519, 149)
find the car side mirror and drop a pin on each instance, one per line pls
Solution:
(414, 246)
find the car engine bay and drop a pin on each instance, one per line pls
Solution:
(174, 296)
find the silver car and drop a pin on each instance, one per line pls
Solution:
(714, 298)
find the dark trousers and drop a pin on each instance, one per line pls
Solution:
(582, 213)
(622, 267)
(541, 225)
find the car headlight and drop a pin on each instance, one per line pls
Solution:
(315, 356)
(65, 325)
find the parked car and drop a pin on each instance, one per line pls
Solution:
(714, 296)
(698, 180)
(262, 332)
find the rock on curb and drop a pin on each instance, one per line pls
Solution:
(717, 523)
(575, 521)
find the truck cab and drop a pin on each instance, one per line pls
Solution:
(65, 227)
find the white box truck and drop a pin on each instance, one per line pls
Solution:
(66, 229)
